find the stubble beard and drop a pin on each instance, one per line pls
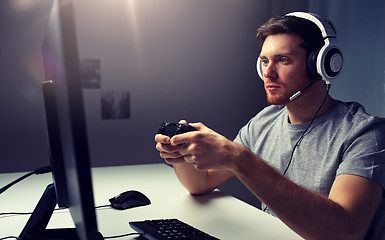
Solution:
(276, 100)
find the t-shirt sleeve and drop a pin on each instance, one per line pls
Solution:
(365, 154)
(242, 138)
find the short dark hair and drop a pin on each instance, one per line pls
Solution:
(309, 33)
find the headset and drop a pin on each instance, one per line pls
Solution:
(324, 63)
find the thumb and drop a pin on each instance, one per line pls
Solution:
(182, 121)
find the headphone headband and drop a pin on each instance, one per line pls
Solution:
(327, 30)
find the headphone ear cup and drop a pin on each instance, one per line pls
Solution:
(332, 63)
(259, 68)
(324, 63)
(311, 65)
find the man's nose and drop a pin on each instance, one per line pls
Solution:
(269, 71)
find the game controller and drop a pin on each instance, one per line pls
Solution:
(171, 129)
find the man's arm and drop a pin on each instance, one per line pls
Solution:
(200, 182)
(345, 214)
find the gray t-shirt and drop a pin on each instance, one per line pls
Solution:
(345, 140)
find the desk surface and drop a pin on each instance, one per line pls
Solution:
(218, 214)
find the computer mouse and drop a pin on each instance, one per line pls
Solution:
(129, 199)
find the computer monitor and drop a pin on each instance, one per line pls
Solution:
(67, 135)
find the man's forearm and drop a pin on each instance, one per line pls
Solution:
(200, 181)
(193, 180)
(310, 214)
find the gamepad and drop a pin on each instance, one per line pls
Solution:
(171, 129)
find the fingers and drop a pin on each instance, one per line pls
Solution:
(183, 138)
(174, 160)
(170, 148)
(170, 153)
(159, 138)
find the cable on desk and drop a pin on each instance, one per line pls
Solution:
(4, 214)
(110, 237)
(103, 206)
(27, 213)
(15, 213)
(37, 171)
(123, 235)
(9, 237)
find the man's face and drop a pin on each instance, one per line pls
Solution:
(284, 67)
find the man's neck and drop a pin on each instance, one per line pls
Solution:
(304, 108)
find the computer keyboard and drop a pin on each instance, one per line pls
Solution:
(166, 229)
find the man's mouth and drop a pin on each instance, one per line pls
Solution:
(272, 87)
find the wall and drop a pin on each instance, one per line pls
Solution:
(23, 143)
(361, 34)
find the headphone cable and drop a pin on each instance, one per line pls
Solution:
(328, 85)
(304, 132)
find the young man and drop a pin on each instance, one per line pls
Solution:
(315, 162)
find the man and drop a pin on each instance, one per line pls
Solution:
(315, 162)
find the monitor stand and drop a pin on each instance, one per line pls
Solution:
(35, 228)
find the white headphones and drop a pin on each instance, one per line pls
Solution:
(324, 63)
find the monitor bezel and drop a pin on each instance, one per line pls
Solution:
(67, 133)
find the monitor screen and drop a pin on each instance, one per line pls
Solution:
(66, 123)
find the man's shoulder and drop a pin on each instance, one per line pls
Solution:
(351, 118)
(271, 111)
(266, 118)
(355, 113)
(260, 124)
